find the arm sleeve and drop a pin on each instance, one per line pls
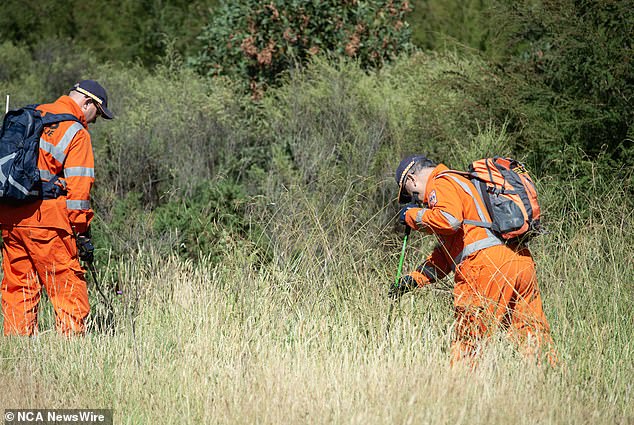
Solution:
(79, 173)
(434, 268)
(445, 217)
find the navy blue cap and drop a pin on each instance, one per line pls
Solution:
(401, 172)
(96, 92)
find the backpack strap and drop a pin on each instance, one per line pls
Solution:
(481, 187)
(50, 189)
(49, 118)
(483, 221)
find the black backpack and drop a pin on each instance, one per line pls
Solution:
(19, 150)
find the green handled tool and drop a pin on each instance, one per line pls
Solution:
(398, 277)
(400, 261)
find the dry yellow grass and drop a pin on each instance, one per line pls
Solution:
(227, 344)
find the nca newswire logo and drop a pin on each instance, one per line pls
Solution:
(58, 416)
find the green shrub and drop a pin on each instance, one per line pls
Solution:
(258, 41)
(335, 121)
(445, 24)
(173, 131)
(122, 225)
(575, 57)
(117, 30)
(205, 224)
(14, 59)
(44, 71)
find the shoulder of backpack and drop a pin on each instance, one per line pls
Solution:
(509, 195)
(19, 150)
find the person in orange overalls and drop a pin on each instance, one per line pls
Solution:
(495, 282)
(39, 243)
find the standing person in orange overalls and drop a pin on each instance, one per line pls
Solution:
(40, 247)
(495, 282)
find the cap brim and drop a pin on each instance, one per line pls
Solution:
(403, 196)
(105, 113)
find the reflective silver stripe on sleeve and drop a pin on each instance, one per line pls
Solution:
(46, 175)
(78, 205)
(79, 172)
(477, 246)
(478, 223)
(453, 221)
(419, 216)
(58, 150)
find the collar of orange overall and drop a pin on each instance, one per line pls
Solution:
(429, 187)
(65, 105)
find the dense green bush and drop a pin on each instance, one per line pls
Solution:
(116, 30)
(257, 41)
(13, 60)
(42, 72)
(207, 223)
(575, 58)
(336, 119)
(173, 131)
(568, 81)
(441, 24)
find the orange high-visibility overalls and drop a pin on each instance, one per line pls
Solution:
(495, 283)
(39, 246)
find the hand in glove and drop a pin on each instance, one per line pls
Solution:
(85, 248)
(405, 284)
(408, 282)
(403, 213)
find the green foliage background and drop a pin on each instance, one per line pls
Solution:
(235, 218)
(257, 41)
(112, 30)
(199, 156)
(195, 153)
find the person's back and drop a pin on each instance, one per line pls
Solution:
(495, 283)
(450, 215)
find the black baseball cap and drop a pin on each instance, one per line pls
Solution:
(403, 168)
(96, 92)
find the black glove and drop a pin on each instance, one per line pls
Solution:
(403, 212)
(405, 284)
(85, 248)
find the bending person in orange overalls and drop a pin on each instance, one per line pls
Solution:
(39, 237)
(495, 283)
